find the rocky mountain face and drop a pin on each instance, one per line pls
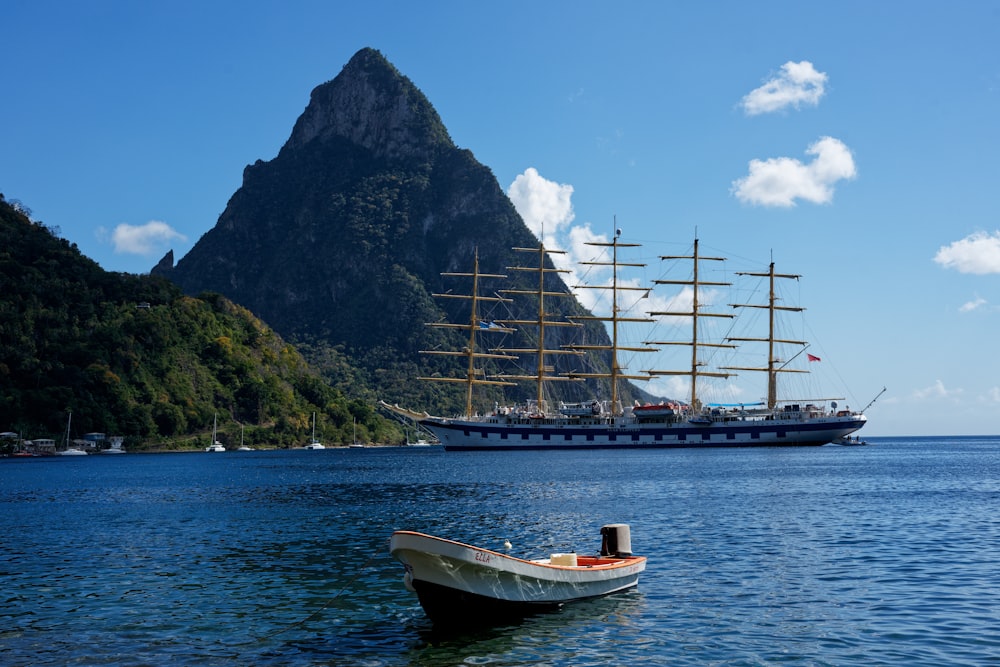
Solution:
(339, 242)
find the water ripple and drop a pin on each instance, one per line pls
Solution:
(829, 556)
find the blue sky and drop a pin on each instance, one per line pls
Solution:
(855, 143)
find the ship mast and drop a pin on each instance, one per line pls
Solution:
(617, 372)
(695, 313)
(772, 307)
(544, 371)
(474, 376)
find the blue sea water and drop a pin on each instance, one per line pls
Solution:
(880, 555)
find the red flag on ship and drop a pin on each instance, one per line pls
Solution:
(812, 358)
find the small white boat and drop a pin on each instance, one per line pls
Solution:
(418, 438)
(355, 444)
(314, 443)
(115, 446)
(657, 410)
(216, 446)
(242, 447)
(460, 584)
(70, 450)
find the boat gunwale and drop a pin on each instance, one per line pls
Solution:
(614, 562)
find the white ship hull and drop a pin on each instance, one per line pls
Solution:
(503, 433)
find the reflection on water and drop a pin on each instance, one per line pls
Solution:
(834, 555)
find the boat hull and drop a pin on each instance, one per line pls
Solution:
(449, 607)
(459, 584)
(500, 434)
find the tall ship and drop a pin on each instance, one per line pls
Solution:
(605, 423)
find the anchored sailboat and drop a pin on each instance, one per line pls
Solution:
(215, 446)
(313, 442)
(69, 449)
(609, 425)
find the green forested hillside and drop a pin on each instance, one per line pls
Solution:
(133, 356)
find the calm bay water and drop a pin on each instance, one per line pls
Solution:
(886, 554)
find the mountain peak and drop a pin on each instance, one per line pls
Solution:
(371, 105)
(339, 243)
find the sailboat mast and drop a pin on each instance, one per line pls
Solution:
(772, 376)
(544, 372)
(540, 371)
(615, 367)
(694, 330)
(473, 316)
(772, 340)
(472, 374)
(617, 371)
(696, 283)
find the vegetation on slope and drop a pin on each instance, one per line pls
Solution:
(133, 356)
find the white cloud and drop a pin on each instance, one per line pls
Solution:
(794, 85)
(683, 302)
(780, 181)
(673, 386)
(977, 253)
(937, 391)
(146, 239)
(544, 205)
(972, 305)
(576, 241)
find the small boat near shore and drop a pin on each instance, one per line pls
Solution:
(850, 441)
(459, 584)
(70, 448)
(114, 446)
(313, 442)
(216, 446)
